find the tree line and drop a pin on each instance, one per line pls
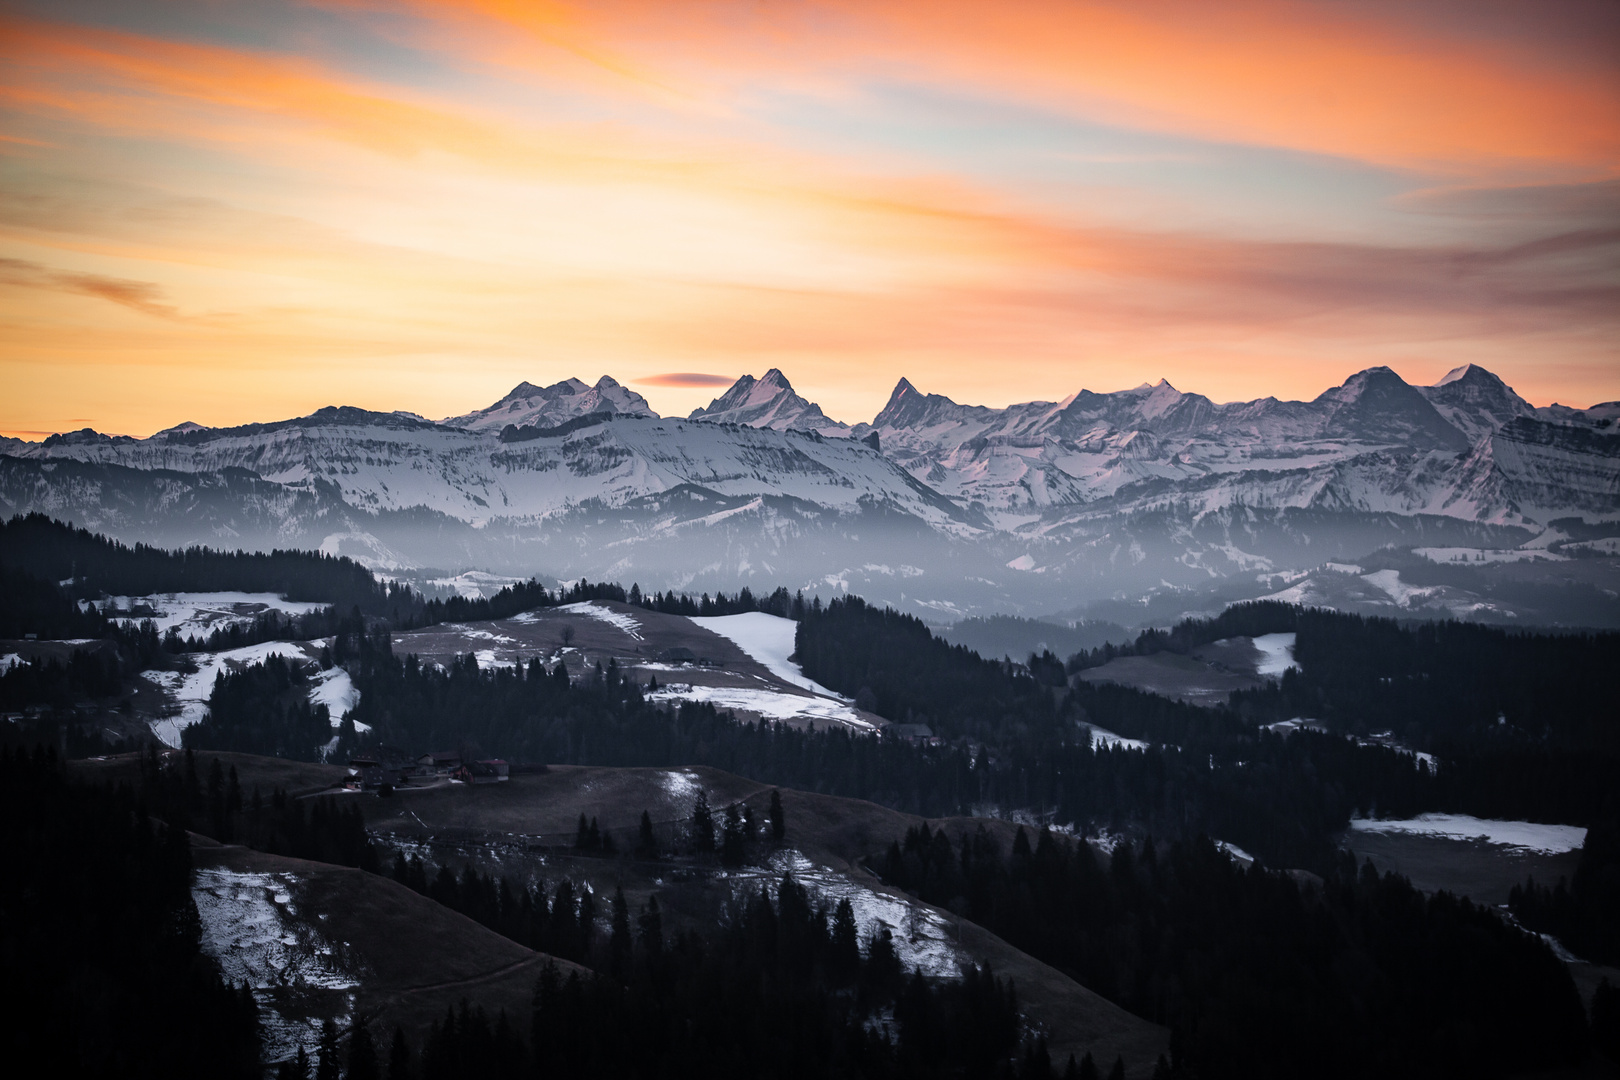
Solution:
(1260, 973)
(101, 938)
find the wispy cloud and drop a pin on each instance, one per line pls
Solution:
(685, 378)
(142, 296)
(444, 198)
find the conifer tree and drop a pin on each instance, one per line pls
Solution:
(733, 838)
(362, 1054)
(778, 818)
(399, 1057)
(619, 941)
(651, 925)
(1118, 1071)
(326, 1062)
(845, 960)
(702, 825)
(646, 843)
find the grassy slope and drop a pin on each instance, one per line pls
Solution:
(417, 958)
(834, 832)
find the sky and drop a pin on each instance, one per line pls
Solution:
(226, 212)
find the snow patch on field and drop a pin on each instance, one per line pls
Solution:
(487, 658)
(336, 690)
(614, 618)
(770, 704)
(1389, 581)
(1524, 836)
(250, 926)
(9, 661)
(682, 787)
(1234, 851)
(201, 614)
(191, 691)
(768, 640)
(1102, 738)
(923, 938)
(1276, 653)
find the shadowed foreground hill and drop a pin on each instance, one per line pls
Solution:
(407, 958)
(493, 825)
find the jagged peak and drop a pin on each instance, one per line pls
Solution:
(901, 391)
(774, 377)
(1457, 374)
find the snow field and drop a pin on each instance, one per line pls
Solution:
(1102, 738)
(249, 926)
(771, 704)
(9, 661)
(923, 938)
(332, 688)
(769, 640)
(682, 787)
(203, 613)
(608, 615)
(1276, 653)
(1522, 836)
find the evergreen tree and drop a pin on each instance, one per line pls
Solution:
(702, 825)
(651, 925)
(1606, 1021)
(733, 838)
(845, 958)
(1118, 1071)
(399, 1057)
(619, 946)
(778, 818)
(363, 1063)
(646, 842)
(326, 1061)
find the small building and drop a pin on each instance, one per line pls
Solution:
(680, 654)
(920, 734)
(371, 772)
(482, 772)
(440, 762)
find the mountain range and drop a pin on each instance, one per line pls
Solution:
(936, 506)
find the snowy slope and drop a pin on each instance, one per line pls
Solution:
(769, 402)
(937, 506)
(547, 406)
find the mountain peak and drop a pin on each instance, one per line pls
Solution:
(1457, 374)
(529, 405)
(1377, 405)
(768, 402)
(1475, 400)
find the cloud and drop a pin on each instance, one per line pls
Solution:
(1366, 82)
(142, 296)
(685, 378)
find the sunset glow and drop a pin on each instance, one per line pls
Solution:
(227, 212)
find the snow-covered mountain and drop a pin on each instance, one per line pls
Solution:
(941, 507)
(547, 406)
(769, 402)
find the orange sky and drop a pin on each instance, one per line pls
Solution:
(231, 212)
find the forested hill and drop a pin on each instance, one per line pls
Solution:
(57, 552)
(1445, 687)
